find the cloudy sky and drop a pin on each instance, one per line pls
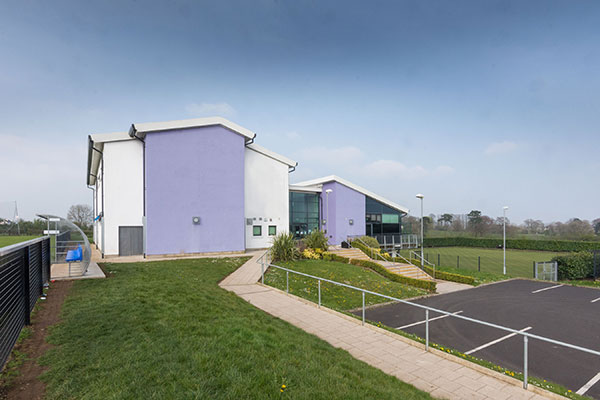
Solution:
(476, 104)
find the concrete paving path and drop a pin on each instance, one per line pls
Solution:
(436, 372)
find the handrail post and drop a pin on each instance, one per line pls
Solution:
(25, 286)
(262, 272)
(319, 293)
(525, 361)
(363, 309)
(427, 330)
(287, 281)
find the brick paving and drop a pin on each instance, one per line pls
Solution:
(442, 375)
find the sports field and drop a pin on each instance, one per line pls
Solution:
(8, 240)
(519, 263)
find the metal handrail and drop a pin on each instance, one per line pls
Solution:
(525, 335)
(384, 259)
(9, 249)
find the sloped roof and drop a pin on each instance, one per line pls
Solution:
(271, 154)
(146, 127)
(334, 178)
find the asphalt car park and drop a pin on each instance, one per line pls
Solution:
(560, 312)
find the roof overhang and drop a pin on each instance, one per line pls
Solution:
(306, 189)
(271, 154)
(334, 178)
(140, 130)
(96, 147)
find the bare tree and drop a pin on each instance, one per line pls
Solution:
(80, 214)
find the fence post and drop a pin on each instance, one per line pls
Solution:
(438, 259)
(363, 310)
(25, 285)
(534, 271)
(525, 362)
(479, 263)
(427, 330)
(427, 257)
(287, 281)
(262, 272)
(457, 262)
(319, 293)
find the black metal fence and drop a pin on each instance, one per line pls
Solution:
(24, 269)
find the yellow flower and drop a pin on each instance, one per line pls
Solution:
(283, 386)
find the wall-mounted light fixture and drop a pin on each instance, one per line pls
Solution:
(351, 221)
(196, 220)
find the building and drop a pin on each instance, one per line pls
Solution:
(203, 186)
(346, 210)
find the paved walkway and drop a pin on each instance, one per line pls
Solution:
(438, 373)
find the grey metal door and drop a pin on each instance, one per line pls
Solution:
(131, 240)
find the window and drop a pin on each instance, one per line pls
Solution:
(272, 230)
(257, 230)
(391, 219)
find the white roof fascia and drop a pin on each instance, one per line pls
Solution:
(310, 189)
(271, 154)
(110, 137)
(332, 178)
(193, 123)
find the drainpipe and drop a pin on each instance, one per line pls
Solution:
(134, 134)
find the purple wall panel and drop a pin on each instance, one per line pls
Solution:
(194, 172)
(345, 204)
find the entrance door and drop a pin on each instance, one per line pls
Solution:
(131, 240)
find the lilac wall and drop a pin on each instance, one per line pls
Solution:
(344, 204)
(194, 172)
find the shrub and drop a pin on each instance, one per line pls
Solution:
(575, 266)
(370, 241)
(316, 240)
(334, 257)
(380, 269)
(284, 247)
(309, 254)
(518, 244)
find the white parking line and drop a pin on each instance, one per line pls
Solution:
(493, 342)
(546, 288)
(588, 385)
(430, 319)
(593, 301)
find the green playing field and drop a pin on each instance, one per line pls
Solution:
(519, 263)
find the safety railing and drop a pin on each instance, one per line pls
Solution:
(377, 255)
(422, 260)
(526, 336)
(24, 270)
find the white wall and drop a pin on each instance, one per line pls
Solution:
(123, 190)
(266, 197)
(98, 209)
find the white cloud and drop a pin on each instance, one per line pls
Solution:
(341, 156)
(397, 170)
(500, 147)
(210, 110)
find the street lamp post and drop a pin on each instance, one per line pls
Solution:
(504, 236)
(420, 196)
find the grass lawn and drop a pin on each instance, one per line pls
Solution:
(8, 240)
(519, 263)
(334, 296)
(165, 330)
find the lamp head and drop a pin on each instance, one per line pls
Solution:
(329, 191)
(420, 196)
(505, 208)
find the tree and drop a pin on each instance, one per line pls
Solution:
(596, 224)
(80, 214)
(446, 219)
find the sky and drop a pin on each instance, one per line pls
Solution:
(475, 104)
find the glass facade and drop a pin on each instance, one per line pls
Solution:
(382, 220)
(304, 213)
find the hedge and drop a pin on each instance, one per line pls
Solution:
(447, 276)
(380, 269)
(518, 244)
(575, 266)
(334, 257)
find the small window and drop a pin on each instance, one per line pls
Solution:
(257, 230)
(272, 230)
